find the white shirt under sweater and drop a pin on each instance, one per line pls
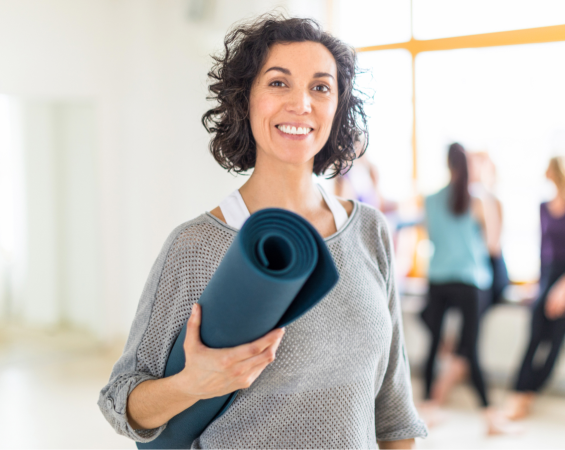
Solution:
(341, 378)
(235, 210)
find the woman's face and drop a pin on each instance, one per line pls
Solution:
(293, 102)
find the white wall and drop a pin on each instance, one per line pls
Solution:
(61, 255)
(12, 203)
(142, 66)
(39, 303)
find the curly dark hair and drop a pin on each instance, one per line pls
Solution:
(246, 47)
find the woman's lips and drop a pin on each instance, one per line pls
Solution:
(294, 137)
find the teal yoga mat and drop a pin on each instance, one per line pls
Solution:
(277, 268)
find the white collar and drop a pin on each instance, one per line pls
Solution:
(235, 210)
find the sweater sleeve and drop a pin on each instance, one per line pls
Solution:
(163, 309)
(396, 417)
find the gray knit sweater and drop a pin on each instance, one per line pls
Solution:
(341, 378)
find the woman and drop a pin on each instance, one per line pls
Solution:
(482, 178)
(548, 315)
(460, 274)
(287, 108)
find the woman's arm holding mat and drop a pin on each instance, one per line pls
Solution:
(208, 373)
(164, 307)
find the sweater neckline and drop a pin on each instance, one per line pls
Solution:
(338, 233)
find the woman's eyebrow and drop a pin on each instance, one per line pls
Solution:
(287, 72)
(322, 74)
(280, 69)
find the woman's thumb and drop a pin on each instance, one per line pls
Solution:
(193, 325)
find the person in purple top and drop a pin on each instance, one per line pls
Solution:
(548, 316)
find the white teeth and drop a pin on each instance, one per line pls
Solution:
(293, 130)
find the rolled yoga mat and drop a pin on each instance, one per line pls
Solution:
(277, 268)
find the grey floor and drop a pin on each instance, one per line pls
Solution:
(49, 385)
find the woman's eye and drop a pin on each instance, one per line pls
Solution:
(322, 88)
(277, 84)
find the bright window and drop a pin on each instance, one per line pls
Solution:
(447, 18)
(389, 79)
(370, 22)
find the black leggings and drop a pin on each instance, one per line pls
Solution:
(493, 296)
(552, 332)
(468, 299)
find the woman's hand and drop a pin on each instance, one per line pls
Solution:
(555, 303)
(212, 372)
(208, 373)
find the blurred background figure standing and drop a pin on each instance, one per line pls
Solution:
(482, 180)
(482, 184)
(460, 275)
(361, 182)
(547, 328)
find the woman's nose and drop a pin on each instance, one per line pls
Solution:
(299, 102)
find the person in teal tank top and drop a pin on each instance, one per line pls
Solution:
(460, 275)
(460, 252)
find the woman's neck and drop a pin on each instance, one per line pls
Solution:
(290, 187)
(282, 186)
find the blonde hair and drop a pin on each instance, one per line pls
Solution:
(557, 167)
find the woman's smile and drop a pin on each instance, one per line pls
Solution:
(295, 131)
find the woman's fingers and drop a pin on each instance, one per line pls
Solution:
(244, 352)
(246, 372)
(259, 361)
(213, 372)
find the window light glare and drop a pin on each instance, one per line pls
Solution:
(434, 19)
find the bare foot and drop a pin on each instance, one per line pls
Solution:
(455, 371)
(519, 405)
(498, 423)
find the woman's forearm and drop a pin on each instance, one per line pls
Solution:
(402, 444)
(154, 402)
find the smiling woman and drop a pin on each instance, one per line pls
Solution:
(286, 108)
(253, 63)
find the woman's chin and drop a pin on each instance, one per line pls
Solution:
(294, 155)
(295, 160)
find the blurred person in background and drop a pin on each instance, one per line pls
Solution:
(460, 275)
(482, 179)
(482, 184)
(548, 314)
(361, 182)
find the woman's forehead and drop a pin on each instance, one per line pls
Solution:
(306, 58)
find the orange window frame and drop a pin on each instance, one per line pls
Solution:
(538, 35)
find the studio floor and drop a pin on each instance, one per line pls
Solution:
(49, 384)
